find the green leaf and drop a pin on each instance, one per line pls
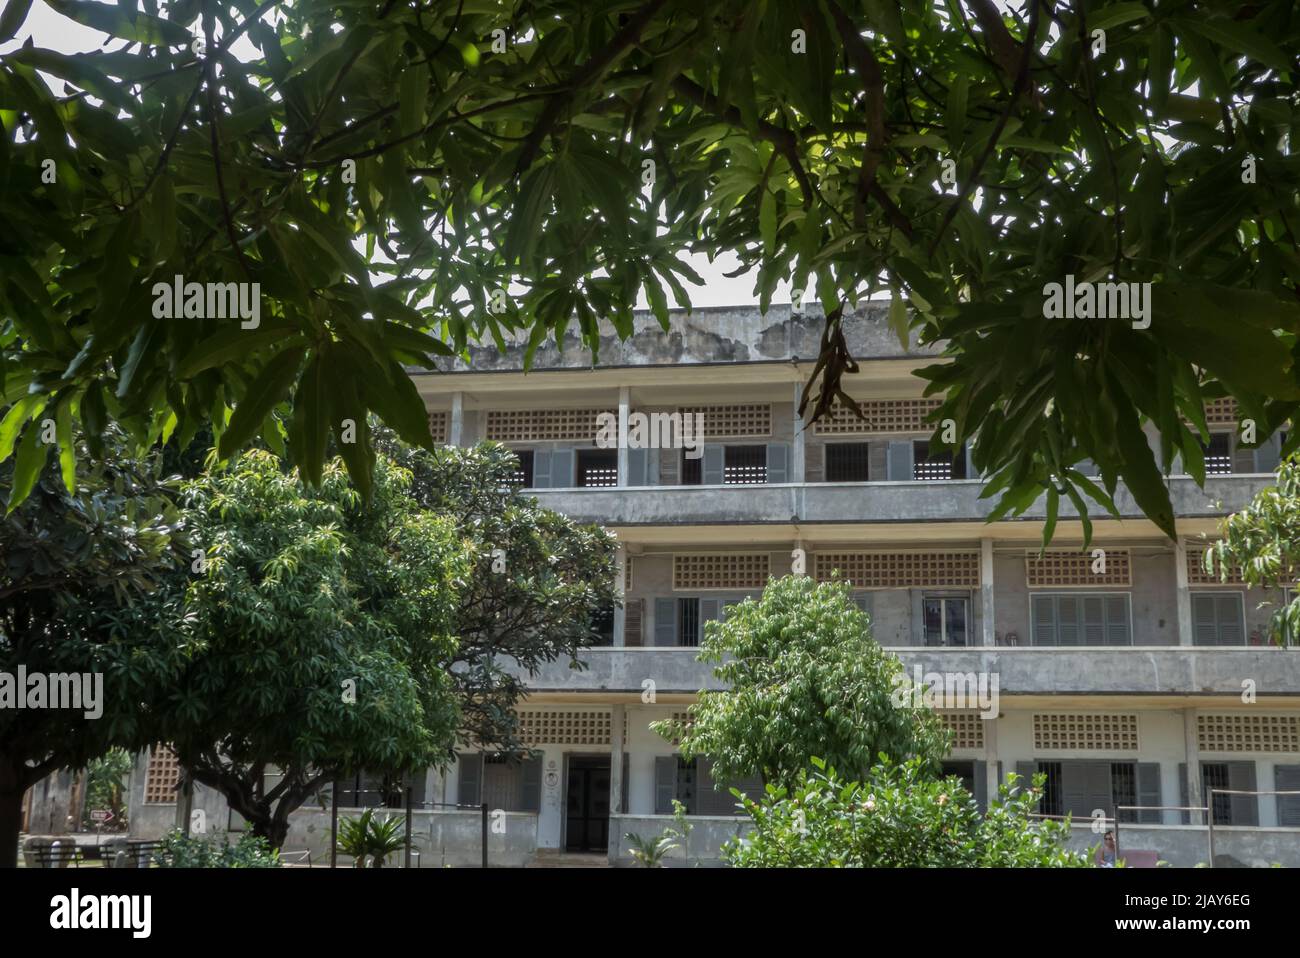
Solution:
(28, 407)
(1116, 14)
(67, 447)
(261, 397)
(27, 466)
(1239, 38)
(139, 27)
(311, 421)
(15, 12)
(898, 319)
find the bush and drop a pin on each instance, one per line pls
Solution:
(193, 851)
(897, 818)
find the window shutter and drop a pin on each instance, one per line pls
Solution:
(542, 469)
(665, 621)
(900, 461)
(531, 798)
(1148, 786)
(982, 785)
(1245, 808)
(665, 783)
(814, 462)
(1026, 771)
(633, 622)
(1184, 798)
(562, 466)
(1076, 789)
(1229, 615)
(1286, 778)
(1094, 620)
(638, 467)
(669, 465)
(1243, 458)
(1067, 620)
(1266, 456)
(714, 458)
(1117, 624)
(470, 778)
(1044, 619)
(710, 611)
(627, 764)
(1204, 629)
(778, 462)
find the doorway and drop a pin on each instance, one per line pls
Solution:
(586, 822)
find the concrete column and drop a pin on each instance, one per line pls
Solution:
(797, 460)
(991, 758)
(617, 713)
(620, 613)
(456, 426)
(624, 408)
(986, 591)
(1184, 593)
(1193, 759)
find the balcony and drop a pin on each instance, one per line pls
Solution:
(846, 502)
(1142, 670)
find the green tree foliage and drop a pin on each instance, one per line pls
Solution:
(106, 784)
(316, 630)
(898, 816)
(1263, 541)
(539, 580)
(71, 564)
(804, 678)
(381, 169)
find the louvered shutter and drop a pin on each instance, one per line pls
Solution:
(563, 462)
(981, 785)
(1067, 620)
(1184, 794)
(1117, 621)
(1044, 619)
(1094, 620)
(710, 611)
(469, 779)
(638, 467)
(542, 469)
(970, 466)
(1229, 615)
(1245, 808)
(877, 461)
(1204, 626)
(814, 462)
(1148, 788)
(715, 457)
(665, 783)
(669, 466)
(530, 799)
(900, 462)
(1267, 455)
(633, 622)
(665, 622)
(1286, 778)
(778, 462)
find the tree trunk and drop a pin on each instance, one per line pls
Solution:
(11, 820)
(272, 829)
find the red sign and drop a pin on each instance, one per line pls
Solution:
(101, 815)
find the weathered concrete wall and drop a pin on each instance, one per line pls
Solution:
(954, 500)
(706, 335)
(1022, 671)
(443, 838)
(1186, 846)
(708, 832)
(153, 821)
(56, 804)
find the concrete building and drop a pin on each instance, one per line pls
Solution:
(1118, 670)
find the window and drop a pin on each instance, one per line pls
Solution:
(597, 467)
(377, 790)
(939, 465)
(963, 770)
(602, 623)
(744, 465)
(1228, 809)
(944, 620)
(523, 477)
(694, 788)
(1081, 619)
(688, 621)
(847, 462)
(1218, 454)
(692, 469)
(1215, 775)
(499, 781)
(1217, 619)
(1079, 788)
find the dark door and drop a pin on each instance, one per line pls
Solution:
(587, 820)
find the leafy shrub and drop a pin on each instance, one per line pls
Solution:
(215, 851)
(898, 817)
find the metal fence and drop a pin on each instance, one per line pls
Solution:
(409, 806)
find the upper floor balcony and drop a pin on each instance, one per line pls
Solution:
(853, 502)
